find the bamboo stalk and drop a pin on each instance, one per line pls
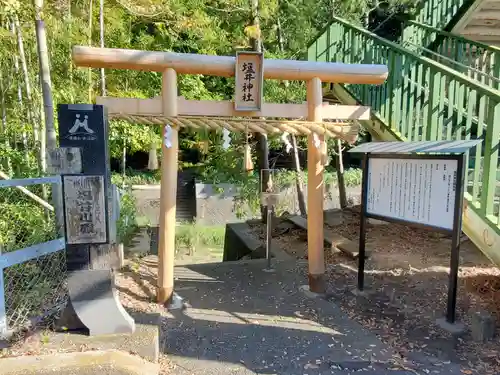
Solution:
(19, 94)
(27, 84)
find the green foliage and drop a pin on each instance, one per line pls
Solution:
(127, 222)
(133, 177)
(218, 27)
(192, 236)
(23, 222)
(248, 197)
(194, 26)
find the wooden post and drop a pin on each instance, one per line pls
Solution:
(339, 166)
(168, 192)
(315, 244)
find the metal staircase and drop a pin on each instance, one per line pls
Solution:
(477, 60)
(433, 92)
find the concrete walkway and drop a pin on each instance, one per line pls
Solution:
(243, 320)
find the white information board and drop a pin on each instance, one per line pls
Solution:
(415, 190)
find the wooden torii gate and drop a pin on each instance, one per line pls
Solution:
(174, 112)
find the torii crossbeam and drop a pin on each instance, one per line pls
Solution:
(176, 111)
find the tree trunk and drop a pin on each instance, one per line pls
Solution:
(27, 83)
(48, 105)
(101, 32)
(70, 57)
(3, 124)
(21, 56)
(300, 184)
(339, 166)
(281, 42)
(262, 146)
(43, 145)
(43, 57)
(89, 43)
(124, 162)
(153, 157)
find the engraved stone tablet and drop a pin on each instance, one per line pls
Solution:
(85, 209)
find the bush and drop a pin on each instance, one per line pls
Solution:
(23, 223)
(190, 236)
(127, 222)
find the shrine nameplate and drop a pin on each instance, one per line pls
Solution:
(85, 209)
(249, 77)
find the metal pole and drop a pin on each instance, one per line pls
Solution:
(362, 225)
(268, 236)
(455, 242)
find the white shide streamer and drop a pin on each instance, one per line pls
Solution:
(167, 136)
(316, 141)
(286, 141)
(226, 139)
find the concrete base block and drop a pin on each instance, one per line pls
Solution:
(177, 303)
(482, 326)
(305, 289)
(365, 293)
(143, 342)
(94, 305)
(455, 329)
(111, 362)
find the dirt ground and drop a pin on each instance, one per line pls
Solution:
(407, 280)
(407, 275)
(136, 285)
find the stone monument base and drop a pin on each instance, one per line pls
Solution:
(94, 306)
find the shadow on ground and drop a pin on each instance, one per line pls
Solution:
(243, 320)
(261, 322)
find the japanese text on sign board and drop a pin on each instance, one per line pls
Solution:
(85, 212)
(413, 190)
(248, 79)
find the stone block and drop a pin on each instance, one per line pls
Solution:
(377, 222)
(110, 362)
(482, 326)
(144, 342)
(455, 329)
(239, 243)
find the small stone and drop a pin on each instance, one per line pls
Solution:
(334, 218)
(377, 222)
(482, 326)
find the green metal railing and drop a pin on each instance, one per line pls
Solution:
(441, 14)
(477, 60)
(424, 100)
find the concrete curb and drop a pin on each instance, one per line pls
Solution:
(145, 187)
(81, 361)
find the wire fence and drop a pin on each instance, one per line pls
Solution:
(32, 260)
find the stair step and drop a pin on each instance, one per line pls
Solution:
(186, 197)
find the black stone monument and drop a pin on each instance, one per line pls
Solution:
(93, 305)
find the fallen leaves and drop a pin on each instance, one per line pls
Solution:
(413, 265)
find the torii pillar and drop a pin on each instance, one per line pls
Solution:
(315, 192)
(168, 192)
(170, 64)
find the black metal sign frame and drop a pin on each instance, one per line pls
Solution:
(455, 232)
